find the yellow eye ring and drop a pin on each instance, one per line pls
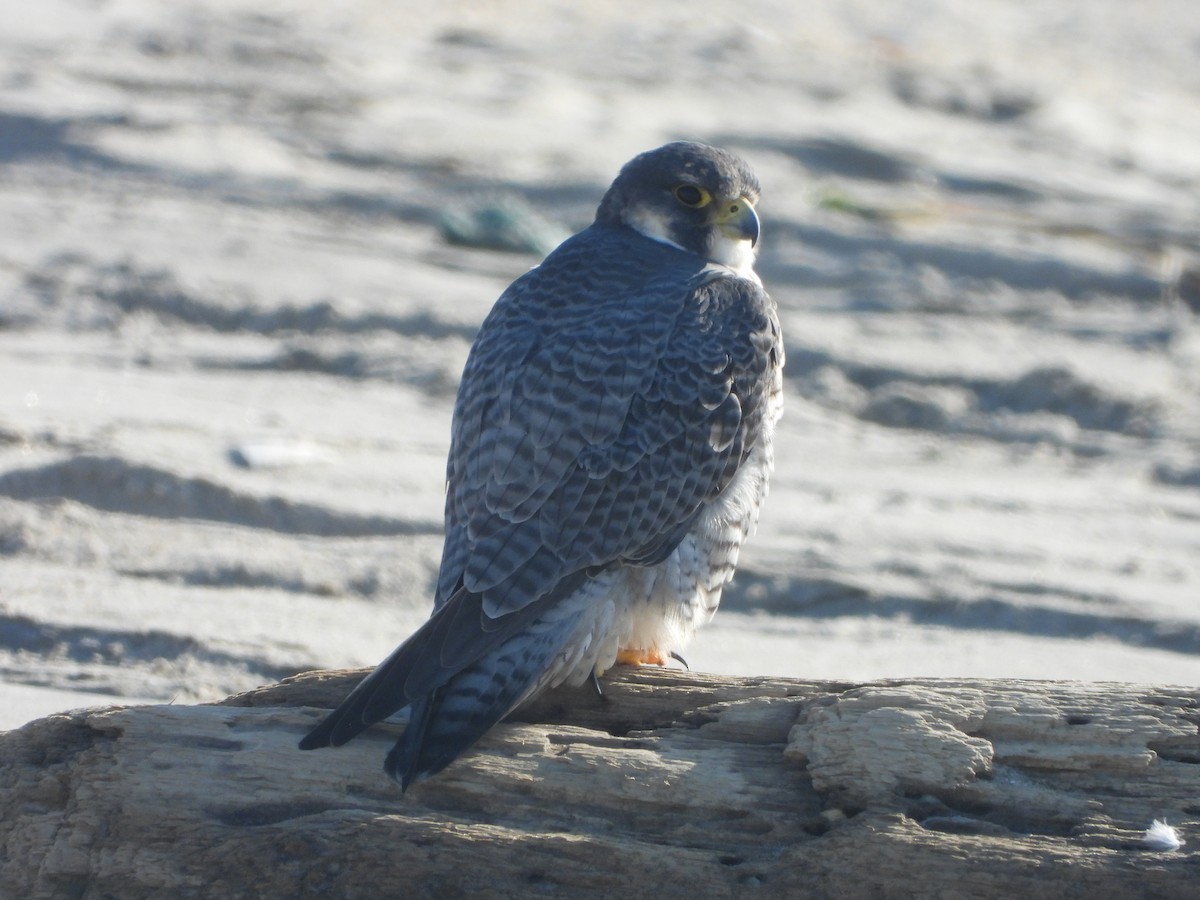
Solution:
(692, 196)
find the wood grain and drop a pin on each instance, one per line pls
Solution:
(673, 784)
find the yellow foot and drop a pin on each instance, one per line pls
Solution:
(634, 657)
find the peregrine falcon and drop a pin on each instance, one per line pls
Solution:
(610, 449)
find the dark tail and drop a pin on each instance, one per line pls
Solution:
(455, 636)
(447, 722)
(461, 672)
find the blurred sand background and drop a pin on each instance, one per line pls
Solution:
(231, 323)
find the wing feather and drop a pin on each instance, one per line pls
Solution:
(641, 387)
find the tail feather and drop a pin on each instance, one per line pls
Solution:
(447, 722)
(461, 671)
(451, 639)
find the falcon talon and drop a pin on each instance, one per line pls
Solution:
(679, 659)
(596, 684)
(609, 452)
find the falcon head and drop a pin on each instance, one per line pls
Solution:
(691, 196)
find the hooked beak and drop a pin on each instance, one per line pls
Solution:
(738, 220)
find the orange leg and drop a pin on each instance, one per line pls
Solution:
(635, 657)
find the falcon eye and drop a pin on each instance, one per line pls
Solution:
(690, 195)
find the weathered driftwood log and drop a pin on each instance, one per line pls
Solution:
(672, 785)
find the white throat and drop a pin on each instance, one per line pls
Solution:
(733, 253)
(737, 254)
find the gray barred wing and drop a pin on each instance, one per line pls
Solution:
(613, 392)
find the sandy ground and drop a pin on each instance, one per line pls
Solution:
(231, 325)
